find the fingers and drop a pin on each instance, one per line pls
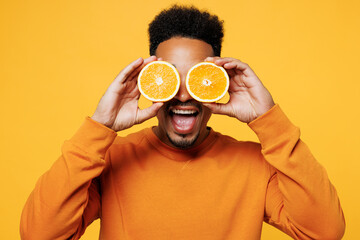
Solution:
(218, 108)
(128, 70)
(133, 69)
(232, 63)
(149, 112)
(137, 70)
(149, 59)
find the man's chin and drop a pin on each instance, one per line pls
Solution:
(182, 141)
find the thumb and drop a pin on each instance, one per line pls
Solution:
(217, 108)
(147, 113)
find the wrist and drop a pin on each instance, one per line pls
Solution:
(273, 125)
(94, 137)
(264, 109)
(101, 121)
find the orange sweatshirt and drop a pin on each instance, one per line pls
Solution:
(223, 189)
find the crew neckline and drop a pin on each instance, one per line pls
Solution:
(180, 154)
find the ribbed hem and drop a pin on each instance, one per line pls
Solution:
(273, 126)
(94, 137)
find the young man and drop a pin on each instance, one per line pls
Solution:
(180, 179)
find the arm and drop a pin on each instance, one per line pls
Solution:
(300, 199)
(66, 198)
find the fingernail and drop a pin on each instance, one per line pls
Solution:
(206, 104)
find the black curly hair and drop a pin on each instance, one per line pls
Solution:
(184, 21)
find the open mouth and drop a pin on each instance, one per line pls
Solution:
(183, 118)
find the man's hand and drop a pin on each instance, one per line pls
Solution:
(118, 108)
(249, 98)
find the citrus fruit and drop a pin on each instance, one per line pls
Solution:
(207, 82)
(159, 81)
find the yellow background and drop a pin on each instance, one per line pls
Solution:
(58, 57)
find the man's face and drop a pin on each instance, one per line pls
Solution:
(183, 120)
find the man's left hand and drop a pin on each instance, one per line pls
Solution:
(249, 98)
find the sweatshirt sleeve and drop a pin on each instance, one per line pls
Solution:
(66, 198)
(300, 199)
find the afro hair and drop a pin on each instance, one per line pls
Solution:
(190, 22)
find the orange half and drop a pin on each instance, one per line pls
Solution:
(159, 81)
(207, 82)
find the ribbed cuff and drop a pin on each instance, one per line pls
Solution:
(94, 137)
(273, 126)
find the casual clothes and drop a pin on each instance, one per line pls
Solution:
(144, 189)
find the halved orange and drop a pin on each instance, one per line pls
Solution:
(207, 82)
(159, 81)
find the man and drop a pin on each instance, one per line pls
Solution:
(180, 179)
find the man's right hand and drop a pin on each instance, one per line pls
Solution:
(118, 108)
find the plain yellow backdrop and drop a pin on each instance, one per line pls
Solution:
(58, 57)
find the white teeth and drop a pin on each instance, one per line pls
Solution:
(178, 111)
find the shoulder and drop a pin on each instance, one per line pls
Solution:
(246, 151)
(245, 157)
(126, 149)
(226, 142)
(130, 143)
(132, 138)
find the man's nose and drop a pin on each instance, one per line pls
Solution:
(183, 95)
